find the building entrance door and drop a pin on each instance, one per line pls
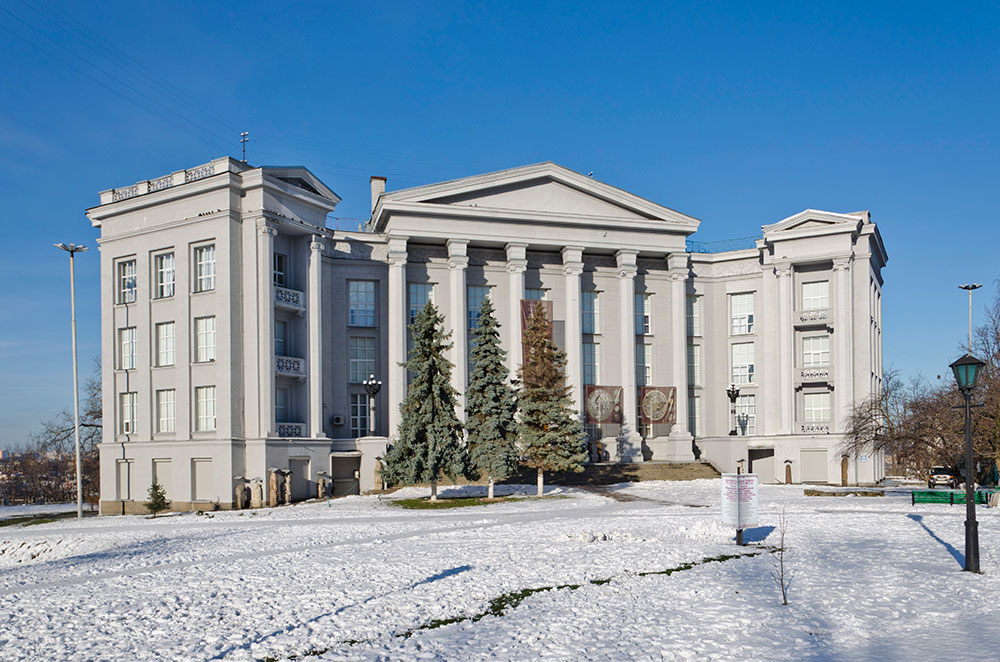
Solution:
(300, 478)
(762, 464)
(814, 469)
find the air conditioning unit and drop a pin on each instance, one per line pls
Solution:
(337, 419)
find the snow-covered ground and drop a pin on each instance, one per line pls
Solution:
(873, 579)
(8, 512)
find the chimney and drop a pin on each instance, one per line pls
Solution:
(378, 188)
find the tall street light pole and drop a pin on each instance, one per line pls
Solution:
(733, 394)
(970, 287)
(967, 371)
(372, 387)
(73, 249)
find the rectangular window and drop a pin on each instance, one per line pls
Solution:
(204, 402)
(474, 299)
(588, 310)
(126, 281)
(204, 339)
(534, 294)
(694, 415)
(694, 365)
(693, 315)
(420, 294)
(280, 338)
(816, 295)
(590, 363)
(204, 268)
(127, 412)
(743, 363)
(126, 344)
(816, 407)
(746, 415)
(281, 405)
(643, 364)
(741, 311)
(815, 351)
(359, 415)
(163, 266)
(362, 302)
(280, 270)
(166, 408)
(165, 344)
(642, 310)
(362, 357)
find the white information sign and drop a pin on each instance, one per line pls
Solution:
(739, 500)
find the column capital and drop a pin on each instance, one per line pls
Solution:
(783, 269)
(397, 250)
(626, 260)
(678, 261)
(842, 263)
(677, 275)
(266, 227)
(317, 244)
(458, 253)
(572, 260)
(517, 266)
(516, 251)
(458, 262)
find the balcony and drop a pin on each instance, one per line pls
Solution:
(290, 299)
(814, 375)
(816, 427)
(290, 366)
(815, 317)
(291, 430)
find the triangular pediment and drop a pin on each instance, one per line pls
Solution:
(815, 220)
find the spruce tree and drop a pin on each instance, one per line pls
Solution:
(157, 498)
(491, 407)
(430, 440)
(551, 433)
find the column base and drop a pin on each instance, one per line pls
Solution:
(679, 447)
(629, 446)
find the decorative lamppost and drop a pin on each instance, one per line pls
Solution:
(733, 393)
(372, 387)
(73, 249)
(967, 371)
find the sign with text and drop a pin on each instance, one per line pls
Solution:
(739, 500)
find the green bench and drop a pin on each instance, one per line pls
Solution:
(950, 497)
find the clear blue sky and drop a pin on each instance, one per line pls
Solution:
(737, 113)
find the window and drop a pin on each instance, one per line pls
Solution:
(741, 310)
(815, 351)
(643, 364)
(126, 343)
(165, 340)
(280, 338)
(590, 363)
(204, 268)
(204, 339)
(126, 281)
(642, 314)
(163, 265)
(476, 294)
(694, 365)
(534, 294)
(166, 403)
(694, 415)
(359, 415)
(693, 315)
(362, 299)
(816, 295)
(204, 402)
(743, 363)
(420, 294)
(127, 414)
(281, 405)
(746, 415)
(588, 309)
(362, 357)
(280, 270)
(816, 407)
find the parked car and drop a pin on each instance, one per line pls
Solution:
(943, 476)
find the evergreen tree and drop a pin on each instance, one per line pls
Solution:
(430, 435)
(157, 498)
(551, 433)
(491, 407)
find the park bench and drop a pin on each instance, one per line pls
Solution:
(950, 497)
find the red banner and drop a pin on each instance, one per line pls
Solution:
(603, 404)
(658, 404)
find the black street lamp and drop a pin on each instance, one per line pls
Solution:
(733, 393)
(372, 387)
(967, 371)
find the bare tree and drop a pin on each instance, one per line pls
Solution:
(779, 573)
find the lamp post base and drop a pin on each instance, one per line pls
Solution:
(971, 546)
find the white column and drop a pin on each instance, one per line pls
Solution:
(458, 261)
(517, 264)
(843, 356)
(679, 449)
(573, 269)
(630, 442)
(397, 320)
(265, 298)
(786, 348)
(315, 319)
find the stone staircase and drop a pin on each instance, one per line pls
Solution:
(608, 473)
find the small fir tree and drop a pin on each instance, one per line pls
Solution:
(430, 440)
(491, 406)
(157, 498)
(551, 433)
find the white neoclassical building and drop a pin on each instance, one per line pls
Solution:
(237, 328)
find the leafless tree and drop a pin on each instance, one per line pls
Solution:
(780, 573)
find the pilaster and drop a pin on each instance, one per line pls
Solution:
(517, 264)
(266, 233)
(458, 262)
(630, 442)
(786, 347)
(315, 319)
(679, 449)
(573, 269)
(398, 318)
(843, 356)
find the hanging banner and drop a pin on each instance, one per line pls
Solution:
(604, 404)
(528, 307)
(658, 404)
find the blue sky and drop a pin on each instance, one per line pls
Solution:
(737, 113)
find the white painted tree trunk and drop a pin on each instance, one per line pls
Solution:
(491, 489)
(541, 482)
(434, 490)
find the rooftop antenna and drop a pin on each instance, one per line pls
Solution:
(243, 139)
